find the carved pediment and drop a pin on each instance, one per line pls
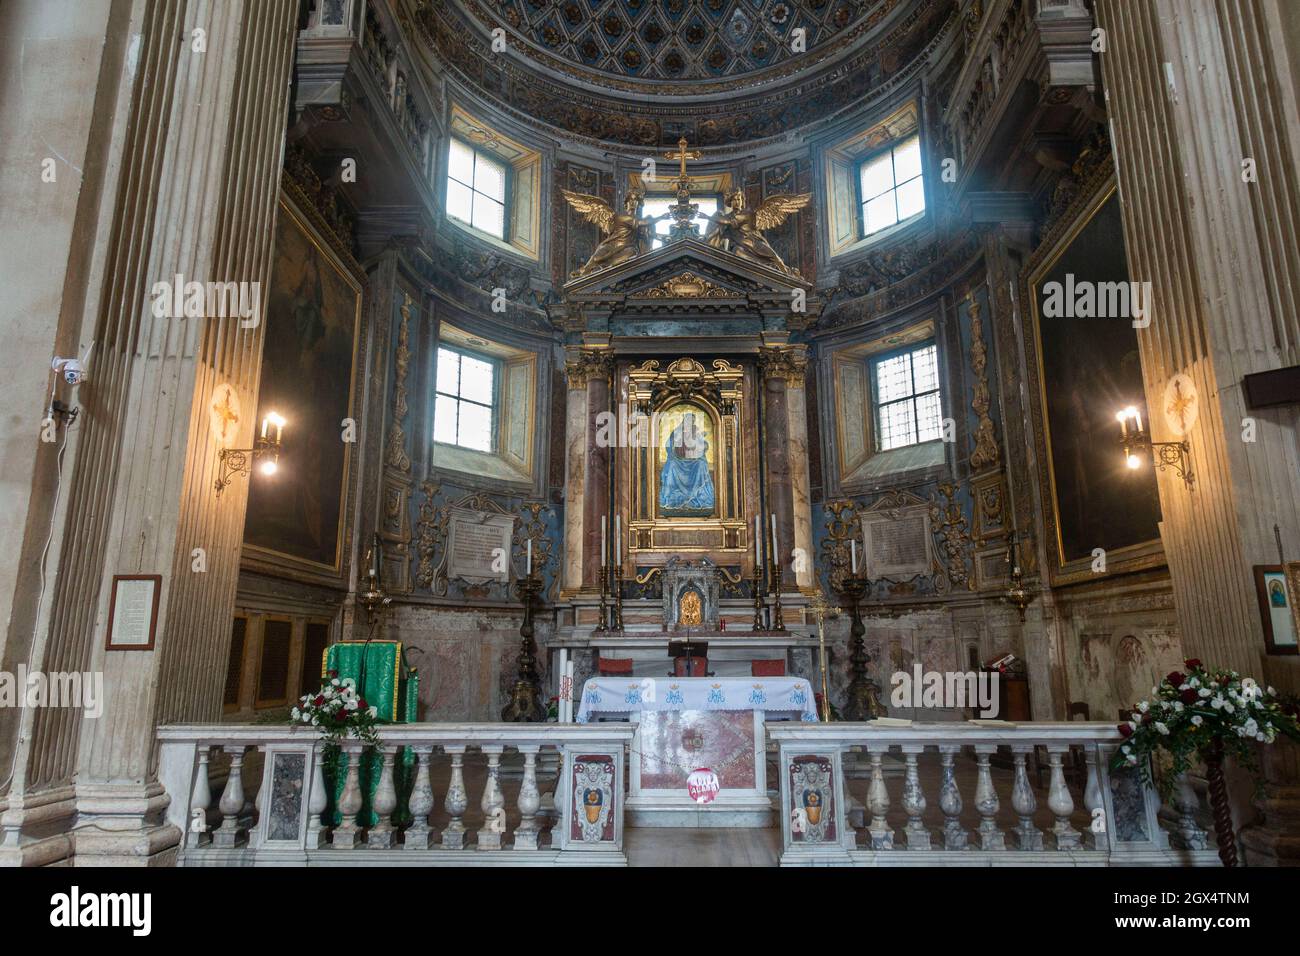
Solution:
(685, 285)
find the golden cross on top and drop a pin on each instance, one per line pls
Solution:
(683, 154)
(822, 608)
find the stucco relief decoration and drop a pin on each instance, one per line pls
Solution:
(396, 455)
(951, 529)
(842, 523)
(986, 452)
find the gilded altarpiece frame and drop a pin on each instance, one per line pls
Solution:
(658, 397)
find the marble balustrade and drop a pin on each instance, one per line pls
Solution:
(287, 822)
(1011, 827)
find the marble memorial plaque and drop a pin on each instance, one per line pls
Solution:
(898, 544)
(478, 546)
(673, 743)
(288, 776)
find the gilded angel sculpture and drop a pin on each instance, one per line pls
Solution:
(740, 230)
(627, 235)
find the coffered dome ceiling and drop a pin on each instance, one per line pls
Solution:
(719, 72)
(679, 39)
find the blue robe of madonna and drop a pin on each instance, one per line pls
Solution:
(685, 483)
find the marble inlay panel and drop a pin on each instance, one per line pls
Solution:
(673, 743)
(288, 772)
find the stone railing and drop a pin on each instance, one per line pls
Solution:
(388, 814)
(819, 812)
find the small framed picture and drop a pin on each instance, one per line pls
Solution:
(1276, 609)
(133, 612)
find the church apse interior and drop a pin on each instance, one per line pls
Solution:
(503, 432)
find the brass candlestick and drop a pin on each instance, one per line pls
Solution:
(822, 609)
(778, 622)
(604, 606)
(862, 697)
(618, 597)
(526, 703)
(758, 600)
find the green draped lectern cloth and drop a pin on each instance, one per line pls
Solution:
(389, 685)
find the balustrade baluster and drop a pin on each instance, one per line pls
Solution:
(1096, 839)
(1023, 801)
(917, 836)
(381, 835)
(1059, 800)
(493, 803)
(200, 800)
(232, 800)
(453, 837)
(955, 837)
(346, 835)
(529, 800)
(988, 836)
(317, 801)
(418, 836)
(882, 837)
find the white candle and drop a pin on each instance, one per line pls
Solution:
(530, 556)
(604, 553)
(618, 539)
(854, 543)
(568, 709)
(559, 684)
(776, 551)
(758, 541)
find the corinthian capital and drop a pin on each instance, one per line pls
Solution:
(587, 364)
(789, 362)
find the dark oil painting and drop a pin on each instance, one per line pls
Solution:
(307, 371)
(1091, 370)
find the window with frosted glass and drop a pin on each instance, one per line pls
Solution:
(708, 205)
(906, 390)
(890, 187)
(464, 392)
(476, 189)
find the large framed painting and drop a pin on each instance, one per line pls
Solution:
(297, 517)
(1085, 367)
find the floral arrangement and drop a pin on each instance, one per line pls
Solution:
(1199, 712)
(339, 711)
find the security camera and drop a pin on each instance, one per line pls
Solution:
(74, 373)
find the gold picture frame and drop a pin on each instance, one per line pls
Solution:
(1061, 569)
(259, 556)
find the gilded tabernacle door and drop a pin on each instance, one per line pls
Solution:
(685, 466)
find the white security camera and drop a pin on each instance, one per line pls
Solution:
(74, 373)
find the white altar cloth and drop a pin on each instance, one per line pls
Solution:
(622, 695)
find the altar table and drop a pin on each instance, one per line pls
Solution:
(692, 723)
(623, 695)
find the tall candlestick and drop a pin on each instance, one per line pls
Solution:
(604, 553)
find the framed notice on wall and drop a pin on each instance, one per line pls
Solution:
(133, 612)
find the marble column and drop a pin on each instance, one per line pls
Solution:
(575, 474)
(800, 475)
(597, 368)
(188, 146)
(779, 367)
(1202, 106)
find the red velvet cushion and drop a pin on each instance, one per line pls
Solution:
(615, 667)
(774, 668)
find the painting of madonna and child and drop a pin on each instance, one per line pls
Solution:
(687, 445)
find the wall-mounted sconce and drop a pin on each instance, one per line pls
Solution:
(239, 461)
(1135, 440)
